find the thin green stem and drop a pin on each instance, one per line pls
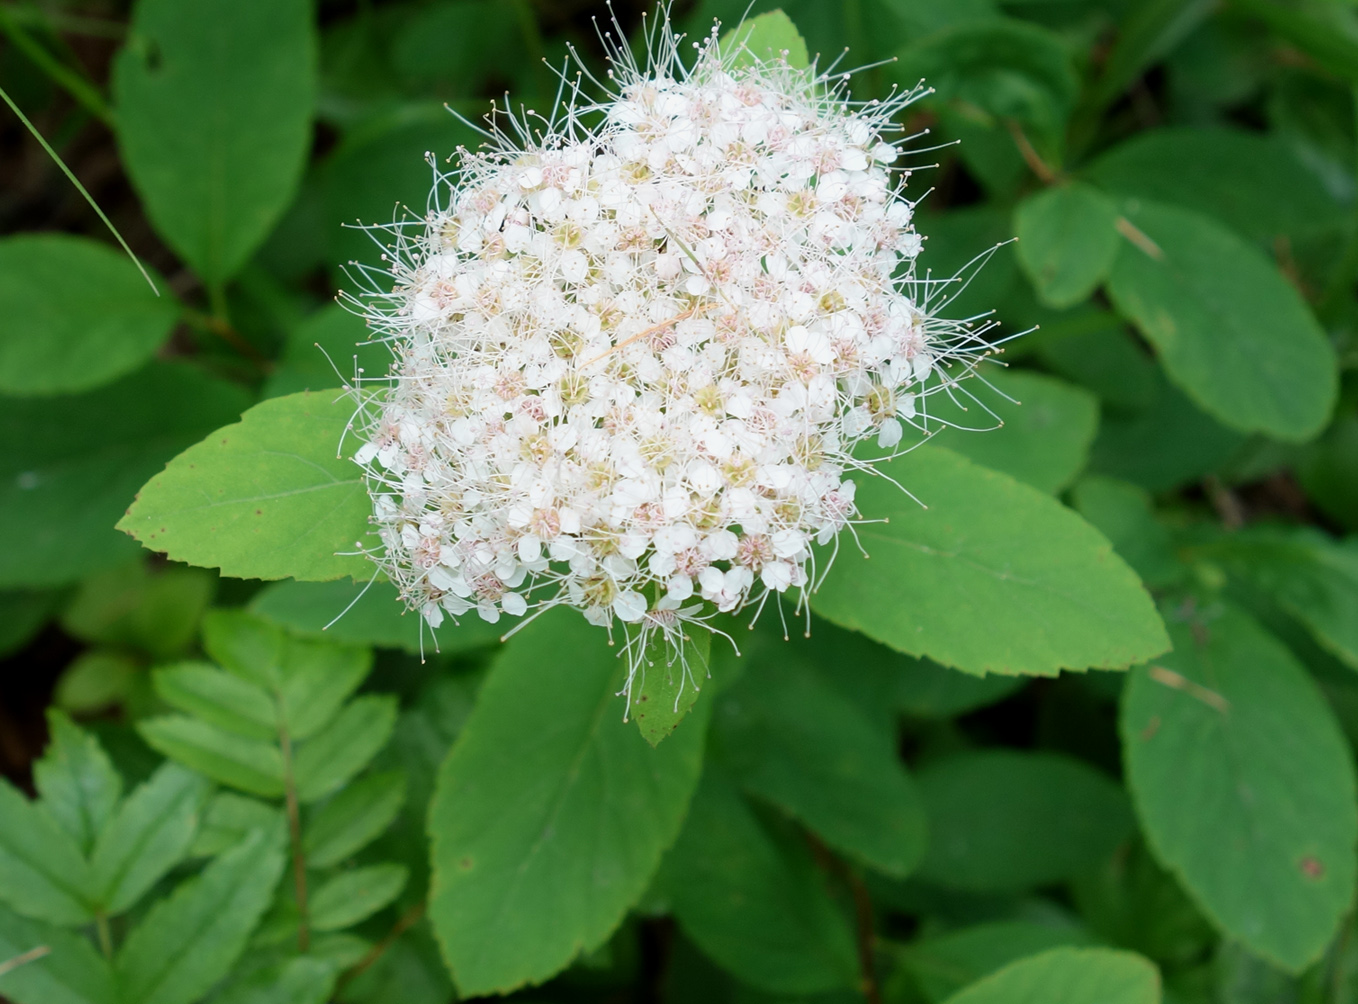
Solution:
(79, 187)
(105, 938)
(295, 834)
(64, 76)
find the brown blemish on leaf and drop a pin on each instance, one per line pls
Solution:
(1152, 727)
(1312, 868)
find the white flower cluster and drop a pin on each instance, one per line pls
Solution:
(633, 358)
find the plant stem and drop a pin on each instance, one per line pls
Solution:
(105, 938)
(71, 24)
(64, 76)
(407, 920)
(32, 955)
(295, 833)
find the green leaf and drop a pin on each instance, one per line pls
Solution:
(72, 464)
(148, 836)
(1122, 513)
(1068, 976)
(377, 617)
(301, 980)
(1004, 820)
(189, 941)
(23, 615)
(42, 872)
(1052, 597)
(754, 903)
(355, 895)
(221, 699)
(1048, 426)
(318, 677)
(246, 646)
(551, 813)
(71, 972)
(667, 686)
(353, 818)
(134, 607)
(997, 71)
(344, 747)
(1106, 359)
(1229, 329)
(791, 738)
(267, 498)
(247, 764)
(76, 780)
(228, 820)
(330, 340)
(1067, 239)
(944, 964)
(767, 37)
(1311, 576)
(214, 106)
(1231, 723)
(1254, 183)
(104, 322)
(1329, 471)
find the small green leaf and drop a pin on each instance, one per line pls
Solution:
(1003, 820)
(76, 780)
(77, 313)
(1122, 513)
(214, 104)
(1254, 182)
(754, 903)
(1068, 976)
(301, 980)
(766, 37)
(1228, 328)
(355, 895)
(1067, 239)
(219, 698)
(943, 964)
(43, 875)
(247, 764)
(318, 677)
(250, 648)
(1052, 597)
(551, 813)
(71, 465)
(228, 820)
(148, 836)
(95, 680)
(668, 685)
(790, 738)
(344, 747)
(71, 972)
(1231, 722)
(1329, 470)
(1030, 426)
(376, 617)
(1311, 576)
(189, 941)
(267, 498)
(353, 818)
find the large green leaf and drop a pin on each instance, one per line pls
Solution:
(76, 780)
(71, 465)
(149, 835)
(551, 812)
(1068, 976)
(1256, 184)
(376, 617)
(1229, 329)
(1244, 784)
(77, 314)
(43, 875)
(1004, 820)
(1067, 239)
(1310, 575)
(753, 902)
(1032, 427)
(990, 551)
(792, 739)
(71, 972)
(267, 498)
(189, 941)
(214, 120)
